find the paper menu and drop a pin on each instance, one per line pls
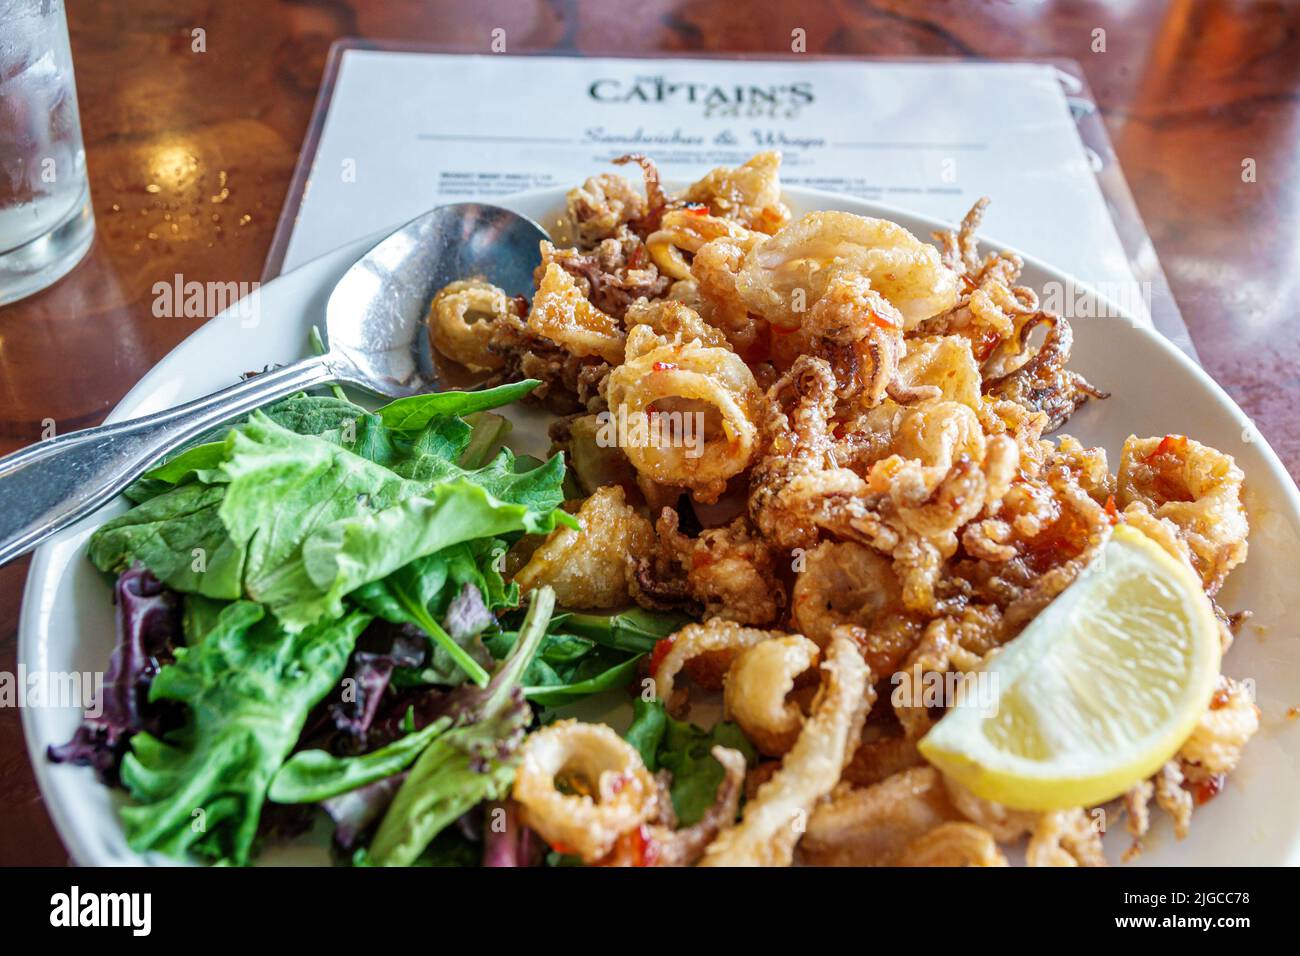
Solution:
(405, 131)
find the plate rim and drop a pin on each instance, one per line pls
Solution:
(78, 840)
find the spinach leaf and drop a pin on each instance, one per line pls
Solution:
(586, 654)
(683, 750)
(249, 686)
(413, 414)
(635, 629)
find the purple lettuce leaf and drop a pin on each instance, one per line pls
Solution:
(148, 632)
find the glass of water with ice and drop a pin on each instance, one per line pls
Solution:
(46, 222)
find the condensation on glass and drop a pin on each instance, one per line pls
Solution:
(46, 221)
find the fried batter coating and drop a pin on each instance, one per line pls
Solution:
(613, 275)
(846, 583)
(707, 393)
(726, 572)
(591, 568)
(569, 383)
(758, 683)
(1195, 487)
(716, 636)
(462, 320)
(873, 826)
(1223, 731)
(796, 489)
(683, 232)
(601, 205)
(943, 363)
(859, 332)
(563, 315)
(784, 276)
(1065, 838)
(1005, 824)
(953, 844)
(1173, 799)
(749, 194)
(943, 471)
(954, 643)
(880, 758)
(774, 820)
(657, 203)
(674, 322)
(715, 269)
(1043, 383)
(581, 786)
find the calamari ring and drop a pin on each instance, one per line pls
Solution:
(785, 275)
(686, 231)
(772, 821)
(696, 639)
(750, 193)
(460, 322)
(620, 792)
(758, 682)
(690, 391)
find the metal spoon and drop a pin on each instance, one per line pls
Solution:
(374, 321)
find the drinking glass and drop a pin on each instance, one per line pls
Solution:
(46, 222)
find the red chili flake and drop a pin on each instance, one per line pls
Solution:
(1111, 511)
(665, 366)
(644, 852)
(563, 849)
(697, 209)
(1170, 444)
(883, 321)
(661, 649)
(968, 282)
(701, 558)
(1220, 699)
(637, 259)
(989, 340)
(1208, 789)
(618, 783)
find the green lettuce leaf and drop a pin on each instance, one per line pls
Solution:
(683, 749)
(180, 537)
(413, 414)
(473, 762)
(311, 776)
(249, 686)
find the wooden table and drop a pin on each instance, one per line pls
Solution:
(190, 155)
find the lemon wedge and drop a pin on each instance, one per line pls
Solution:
(1095, 694)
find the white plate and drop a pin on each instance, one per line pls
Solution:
(67, 617)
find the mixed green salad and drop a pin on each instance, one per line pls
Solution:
(314, 615)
